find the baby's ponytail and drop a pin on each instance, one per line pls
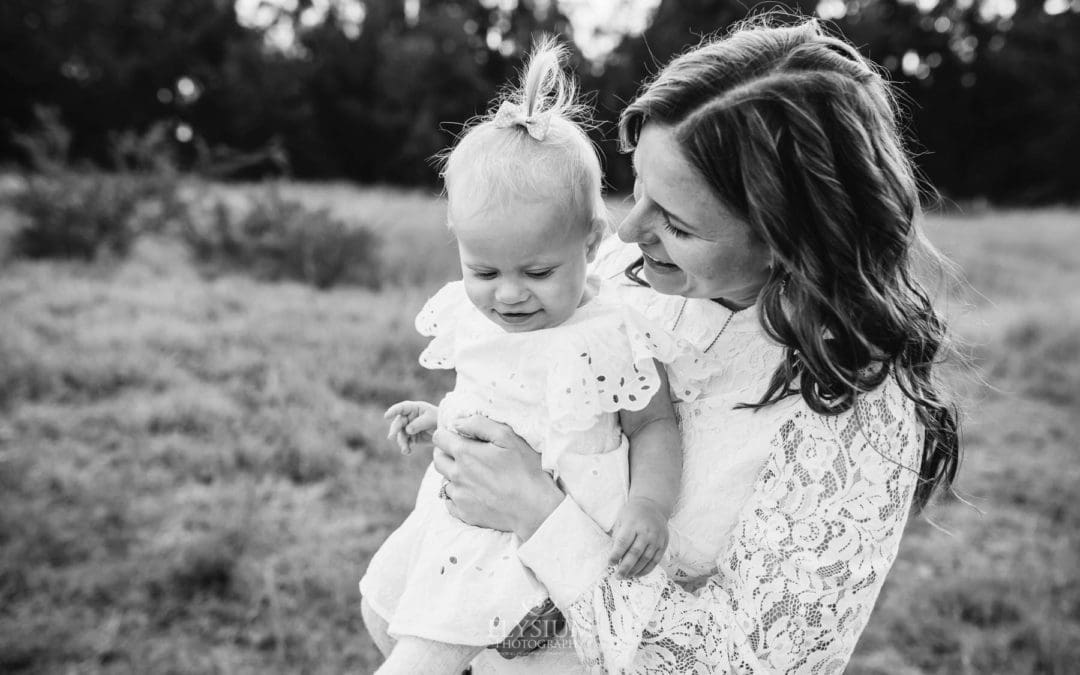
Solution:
(531, 145)
(545, 87)
(545, 93)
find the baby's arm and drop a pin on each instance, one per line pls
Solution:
(411, 424)
(640, 534)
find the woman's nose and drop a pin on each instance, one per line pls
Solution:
(510, 293)
(635, 226)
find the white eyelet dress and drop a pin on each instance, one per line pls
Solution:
(559, 388)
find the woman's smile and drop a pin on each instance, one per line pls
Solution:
(658, 265)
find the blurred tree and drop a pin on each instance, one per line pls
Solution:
(112, 64)
(371, 90)
(377, 104)
(992, 96)
(441, 68)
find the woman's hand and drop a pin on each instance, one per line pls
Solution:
(494, 477)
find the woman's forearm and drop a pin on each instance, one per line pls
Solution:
(544, 498)
(568, 552)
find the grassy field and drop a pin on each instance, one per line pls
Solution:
(193, 472)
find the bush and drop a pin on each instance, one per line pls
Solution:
(282, 239)
(80, 215)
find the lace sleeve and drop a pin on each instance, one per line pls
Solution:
(804, 564)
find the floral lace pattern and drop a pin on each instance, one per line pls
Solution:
(786, 526)
(797, 578)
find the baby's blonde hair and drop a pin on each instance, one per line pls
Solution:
(499, 160)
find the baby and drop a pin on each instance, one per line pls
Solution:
(536, 344)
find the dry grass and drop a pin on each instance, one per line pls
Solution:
(193, 473)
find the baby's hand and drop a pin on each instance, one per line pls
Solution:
(640, 537)
(412, 423)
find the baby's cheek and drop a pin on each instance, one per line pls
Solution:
(475, 290)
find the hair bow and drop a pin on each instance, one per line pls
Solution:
(511, 114)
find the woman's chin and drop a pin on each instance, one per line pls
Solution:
(668, 281)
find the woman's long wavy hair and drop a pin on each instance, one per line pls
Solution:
(797, 133)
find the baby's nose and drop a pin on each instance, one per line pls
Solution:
(510, 293)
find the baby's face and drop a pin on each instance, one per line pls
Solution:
(524, 266)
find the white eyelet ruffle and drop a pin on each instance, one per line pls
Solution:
(594, 366)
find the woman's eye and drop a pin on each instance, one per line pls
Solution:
(540, 274)
(678, 234)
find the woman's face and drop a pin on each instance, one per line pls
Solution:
(692, 243)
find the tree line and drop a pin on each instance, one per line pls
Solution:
(370, 91)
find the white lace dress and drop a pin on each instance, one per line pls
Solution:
(561, 389)
(786, 525)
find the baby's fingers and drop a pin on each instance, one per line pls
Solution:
(399, 408)
(648, 560)
(396, 425)
(407, 409)
(630, 561)
(622, 540)
(402, 439)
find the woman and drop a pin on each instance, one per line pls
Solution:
(774, 224)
